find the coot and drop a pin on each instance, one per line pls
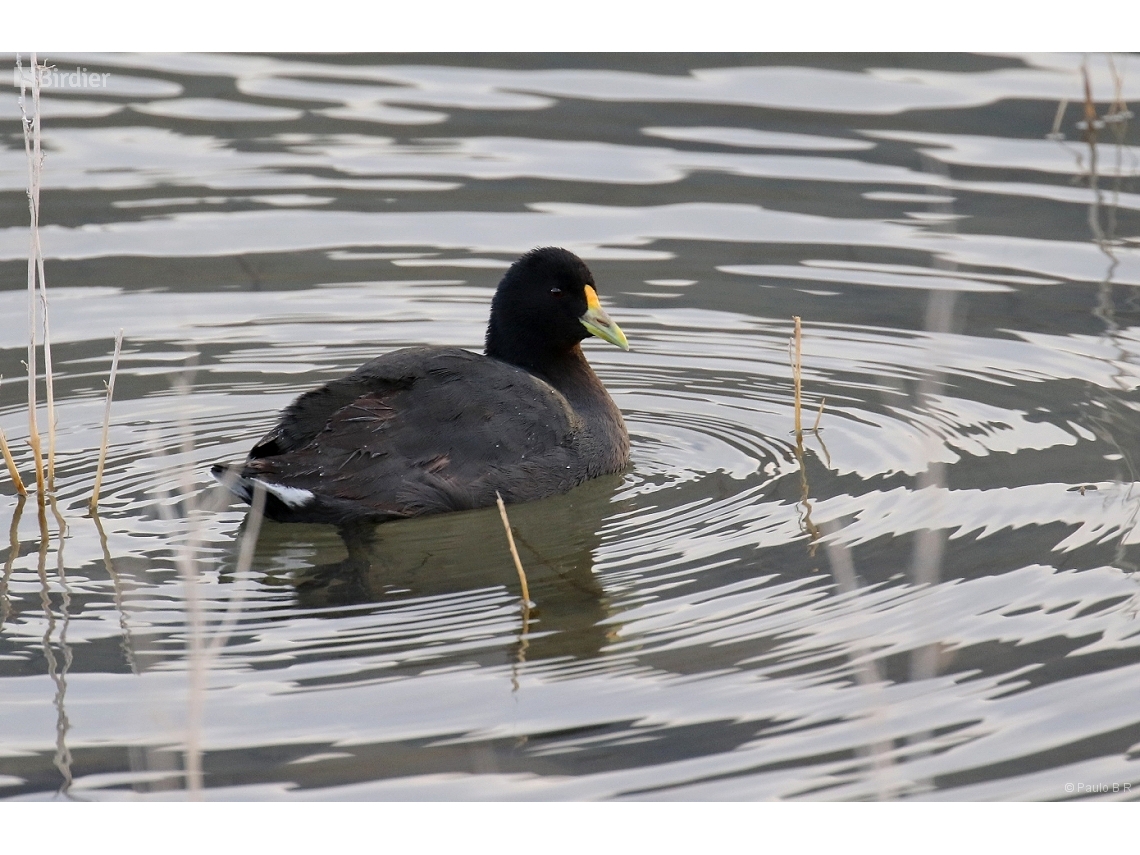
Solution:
(425, 430)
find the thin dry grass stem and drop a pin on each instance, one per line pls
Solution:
(94, 504)
(200, 653)
(9, 461)
(191, 571)
(186, 558)
(796, 373)
(515, 556)
(49, 374)
(31, 128)
(244, 565)
(34, 194)
(185, 555)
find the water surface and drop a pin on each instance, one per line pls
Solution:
(935, 597)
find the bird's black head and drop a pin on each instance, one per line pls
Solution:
(545, 304)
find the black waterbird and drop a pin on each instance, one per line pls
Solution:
(424, 430)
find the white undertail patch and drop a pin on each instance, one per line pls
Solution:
(293, 497)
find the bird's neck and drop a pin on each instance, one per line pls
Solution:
(566, 369)
(571, 374)
(530, 350)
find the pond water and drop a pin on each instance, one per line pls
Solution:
(935, 597)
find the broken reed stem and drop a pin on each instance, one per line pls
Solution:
(1062, 106)
(16, 479)
(514, 551)
(106, 424)
(32, 151)
(796, 375)
(818, 416)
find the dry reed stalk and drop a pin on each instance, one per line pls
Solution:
(106, 424)
(11, 463)
(49, 374)
(244, 565)
(192, 576)
(186, 559)
(797, 376)
(31, 129)
(201, 653)
(514, 551)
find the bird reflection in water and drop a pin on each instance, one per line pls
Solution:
(454, 553)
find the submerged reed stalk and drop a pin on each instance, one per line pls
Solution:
(106, 424)
(795, 347)
(514, 551)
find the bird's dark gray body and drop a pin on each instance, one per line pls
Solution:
(428, 429)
